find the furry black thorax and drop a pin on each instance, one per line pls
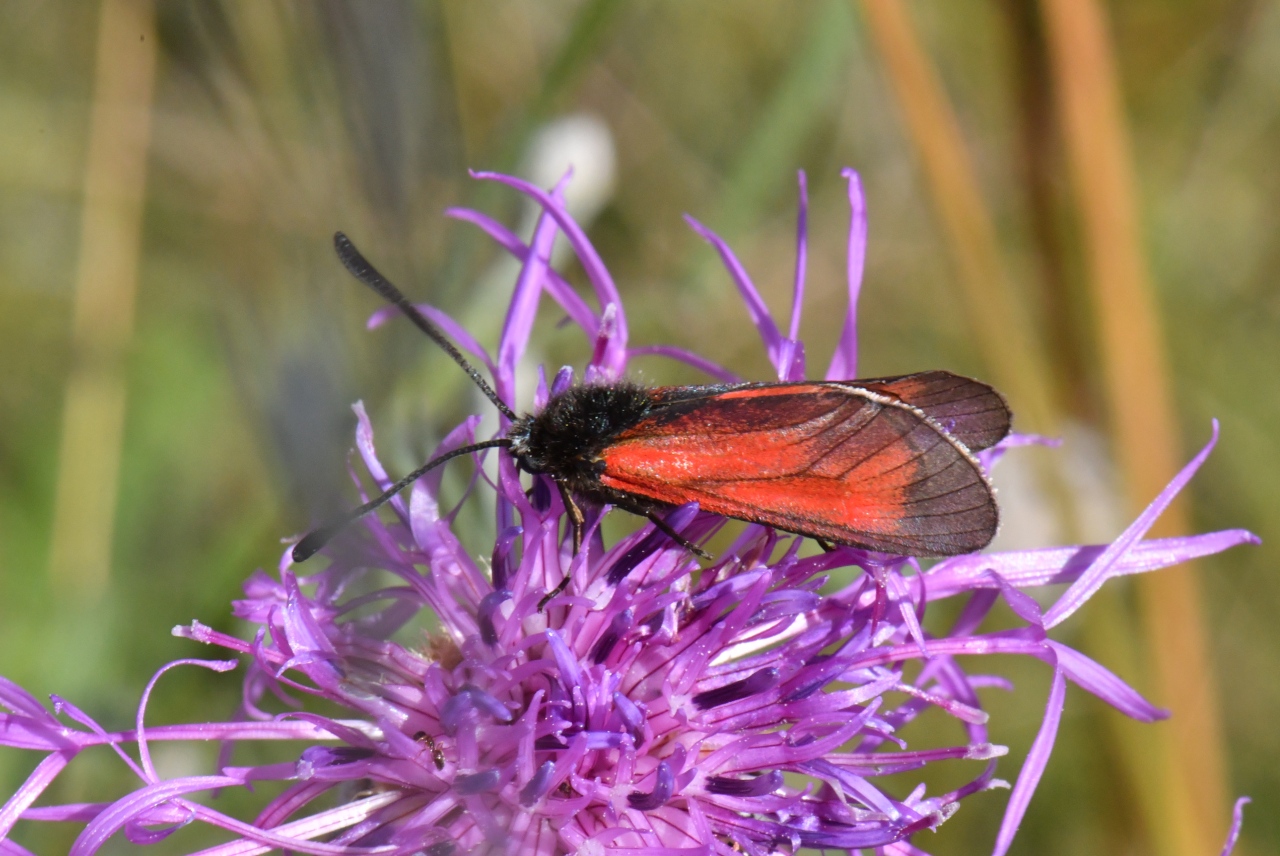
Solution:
(565, 438)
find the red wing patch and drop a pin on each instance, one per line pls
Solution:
(827, 460)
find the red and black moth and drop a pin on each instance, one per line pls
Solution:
(885, 464)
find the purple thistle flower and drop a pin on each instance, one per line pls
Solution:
(655, 707)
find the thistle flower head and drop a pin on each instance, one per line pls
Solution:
(752, 704)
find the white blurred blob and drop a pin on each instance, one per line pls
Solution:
(1090, 474)
(1027, 518)
(176, 760)
(580, 142)
(1030, 516)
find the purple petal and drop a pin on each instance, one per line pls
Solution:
(1103, 569)
(144, 832)
(631, 715)
(791, 357)
(1054, 565)
(1104, 683)
(144, 751)
(1237, 821)
(18, 700)
(649, 544)
(990, 457)
(74, 713)
(802, 255)
(570, 672)
(563, 380)
(429, 531)
(1033, 767)
(364, 445)
(756, 307)
(844, 362)
(334, 763)
(619, 625)
(605, 353)
(663, 787)
(854, 786)
(478, 783)
(20, 732)
(10, 848)
(44, 773)
(563, 293)
(757, 683)
(1024, 606)
(490, 706)
(503, 558)
(759, 786)
(85, 812)
(115, 816)
(597, 274)
(294, 798)
(523, 307)
(299, 835)
(455, 331)
(538, 786)
(485, 614)
(689, 358)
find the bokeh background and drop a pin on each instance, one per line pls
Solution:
(1073, 199)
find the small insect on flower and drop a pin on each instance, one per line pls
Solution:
(884, 464)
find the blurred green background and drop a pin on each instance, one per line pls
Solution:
(181, 349)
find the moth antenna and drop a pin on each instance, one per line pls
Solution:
(317, 538)
(360, 268)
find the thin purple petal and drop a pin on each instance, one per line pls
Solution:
(844, 362)
(689, 358)
(18, 700)
(802, 256)
(1033, 768)
(144, 751)
(115, 816)
(451, 328)
(1237, 822)
(44, 773)
(592, 264)
(1055, 565)
(1102, 569)
(756, 307)
(364, 445)
(1106, 685)
(524, 300)
(573, 305)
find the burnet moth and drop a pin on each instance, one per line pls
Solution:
(885, 464)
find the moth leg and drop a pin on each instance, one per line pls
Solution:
(576, 518)
(827, 546)
(665, 528)
(578, 522)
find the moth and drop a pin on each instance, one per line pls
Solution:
(884, 464)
